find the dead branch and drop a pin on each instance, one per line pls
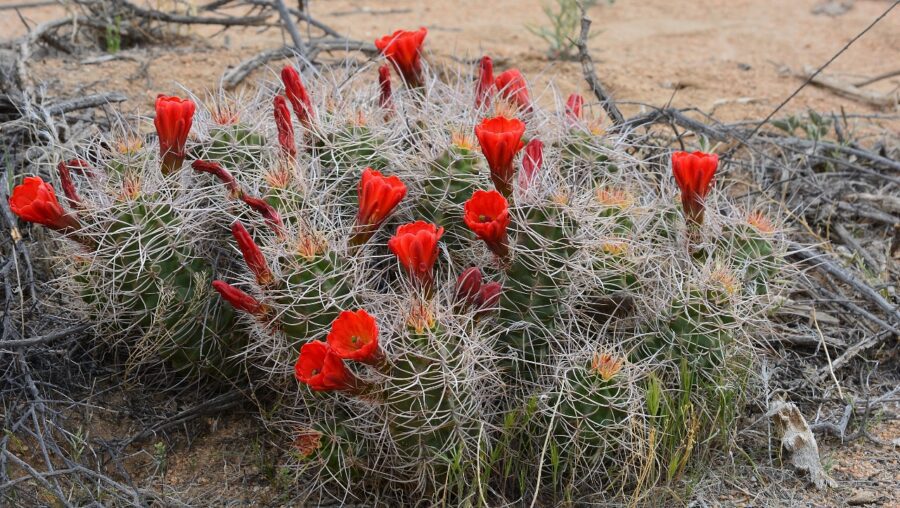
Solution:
(851, 242)
(854, 350)
(590, 74)
(290, 26)
(239, 73)
(886, 75)
(850, 90)
(43, 339)
(825, 264)
(88, 101)
(192, 20)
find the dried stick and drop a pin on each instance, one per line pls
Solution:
(290, 26)
(590, 74)
(88, 101)
(851, 242)
(239, 73)
(193, 20)
(43, 339)
(217, 404)
(855, 350)
(886, 75)
(825, 264)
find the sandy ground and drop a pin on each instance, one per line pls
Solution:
(733, 58)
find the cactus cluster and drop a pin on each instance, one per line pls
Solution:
(458, 295)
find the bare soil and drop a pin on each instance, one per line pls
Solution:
(734, 58)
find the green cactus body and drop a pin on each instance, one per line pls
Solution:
(236, 146)
(316, 291)
(353, 146)
(333, 451)
(535, 283)
(752, 250)
(452, 179)
(590, 408)
(699, 329)
(614, 269)
(427, 404)
(161, 291)
(582, 149)
(343, 154)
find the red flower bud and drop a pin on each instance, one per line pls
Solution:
(81, 167)
(354, 336)
(322, 370)
(384, 83)
(416, 247)
(216, 169)
(487, 214)
(403, 48)
(489, 296)
(531, 162)
(268, 212)
(254, 258)
(512, 87)
(35, 201)
(239, 299)
(694, 173)
(297, 94)
(65, 178)
(573, 108)
(484, 89)
(174, 117)
(501, 139)
(378, 196)
(285, 127)
(468, 284)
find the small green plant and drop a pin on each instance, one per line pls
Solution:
(114, 36)
(814, 126)
(565, 24)
(160, 457)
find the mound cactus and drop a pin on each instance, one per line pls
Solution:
(440, 323)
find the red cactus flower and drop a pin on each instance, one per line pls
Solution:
(354, 336)
(501, 139)
(511, 86)
(216, 169)
(322, 370)
(297, 94)
(254, 258)
(285, 127)
(573, 108)
(694, 173)
(484, 89)
(239, 299)
(487, 214)
(385, 100)
(35, 201)
(174, 117)
(468, 284)
(416, 247)
(65, 179)
(489, 296)
(403, 49)
(531, 162)
(268, 212)
(378, 196)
